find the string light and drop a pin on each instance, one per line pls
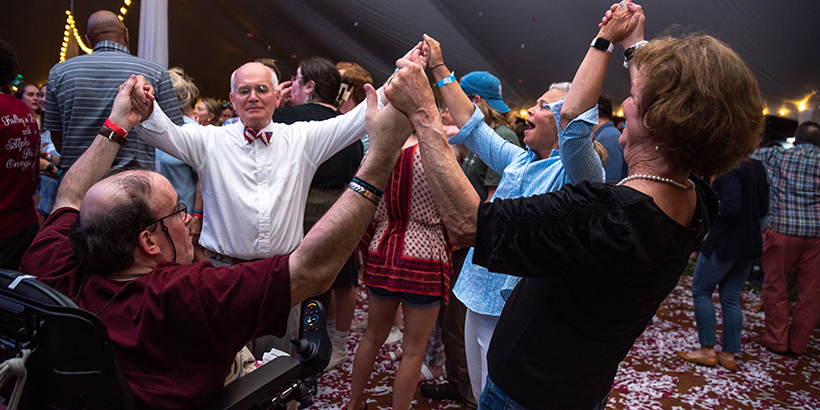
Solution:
(124, 9)
(523, 114)
(70, 29)
(765, 111)
(783, 112)
(621, 113)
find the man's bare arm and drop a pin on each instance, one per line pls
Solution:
(455, 197)
(129, 105)
(320, 256)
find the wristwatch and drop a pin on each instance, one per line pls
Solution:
(602, 44)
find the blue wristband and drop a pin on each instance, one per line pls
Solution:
(447, 80)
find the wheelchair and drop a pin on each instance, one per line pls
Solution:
(70, 362)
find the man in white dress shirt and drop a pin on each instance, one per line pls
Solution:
(254, 174)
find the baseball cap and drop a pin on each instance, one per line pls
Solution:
(486, 86)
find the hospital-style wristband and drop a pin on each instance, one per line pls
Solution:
(447, 80)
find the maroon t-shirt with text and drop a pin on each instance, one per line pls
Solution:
(19, 160)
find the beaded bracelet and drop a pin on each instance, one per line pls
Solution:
(629, 51)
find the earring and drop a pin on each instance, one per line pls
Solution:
(656, 147)
(307, 99)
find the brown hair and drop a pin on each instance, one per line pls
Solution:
(325, 77)
(492, 117)
(700, 102)
(215, 109)
(356, 77)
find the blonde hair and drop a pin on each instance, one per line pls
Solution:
(187, 92)
(600, 150)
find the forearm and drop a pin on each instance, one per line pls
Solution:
(86, 171)
(455, 197)
(586, 86)
(461, 108)
(333, 238)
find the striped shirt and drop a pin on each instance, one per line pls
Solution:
(523, 174)
(81, 92)
(794, 189)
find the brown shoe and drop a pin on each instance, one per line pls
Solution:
(727, 361)
(710, 361)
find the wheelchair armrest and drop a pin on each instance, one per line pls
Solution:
(256, 386)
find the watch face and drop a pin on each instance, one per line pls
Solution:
(601, 44)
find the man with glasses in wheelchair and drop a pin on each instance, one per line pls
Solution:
(120, 247)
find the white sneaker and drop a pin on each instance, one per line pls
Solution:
(395, 336)
(358, 325)
(336, 358)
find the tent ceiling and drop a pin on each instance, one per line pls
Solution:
(527, 44)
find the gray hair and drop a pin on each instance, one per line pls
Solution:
(273, 78)
(564, 86)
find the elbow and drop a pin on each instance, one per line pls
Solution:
(463, 235)
(568, 114)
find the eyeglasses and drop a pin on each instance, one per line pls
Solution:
(182, 210)
(261, 89)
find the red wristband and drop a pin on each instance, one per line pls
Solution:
(110, 124)
(197, 215)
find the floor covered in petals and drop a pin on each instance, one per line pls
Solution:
(651, 376)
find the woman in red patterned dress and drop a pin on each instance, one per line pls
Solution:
(408, 263)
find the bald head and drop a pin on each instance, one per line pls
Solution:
(105, 25)
(113, 213)
(118, 189)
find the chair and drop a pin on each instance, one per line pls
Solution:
(72, 365)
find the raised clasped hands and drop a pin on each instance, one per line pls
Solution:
(408, 89)
(133, 103)
(387, 128)
(623, 23)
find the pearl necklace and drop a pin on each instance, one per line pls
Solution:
(659, 179)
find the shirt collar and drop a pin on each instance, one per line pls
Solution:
(108, 45)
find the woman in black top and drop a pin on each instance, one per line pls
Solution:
(598, 259)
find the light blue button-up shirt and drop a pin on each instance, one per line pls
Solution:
(523, 174)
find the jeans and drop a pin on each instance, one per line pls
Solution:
(730, 276)
(493, 398)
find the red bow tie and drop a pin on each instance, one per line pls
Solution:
(251, 134)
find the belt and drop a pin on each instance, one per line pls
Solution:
(227, 259)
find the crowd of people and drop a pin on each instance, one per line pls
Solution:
(194, 228)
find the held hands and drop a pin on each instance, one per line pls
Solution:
(408, 89)
(433, 49)
(387, 128)
(133, 103)
(623, 24)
